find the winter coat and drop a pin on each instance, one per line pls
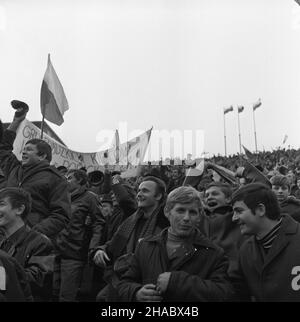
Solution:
(126, 206)
(291, 206)
(200, 275)
(50, 202)
(85, 228)
(277, 278)
(33, 251)
(16, 288)
(219, 227)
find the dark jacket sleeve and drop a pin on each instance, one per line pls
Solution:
(8, 160)
(216, 287)
(60, 210)
(238, 280)
(106, 186)
(126, 202)
(40, 262)
(130, 281)
(98, 224)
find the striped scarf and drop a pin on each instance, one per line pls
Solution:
(267, 241)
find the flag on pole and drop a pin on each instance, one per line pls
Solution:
(284, 139)
(228, 109)
(249, 155)
(53, 99)
(240, 108)
(194, 175)
(257, 104)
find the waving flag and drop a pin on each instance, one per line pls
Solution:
(228, 109)
(257, 104)
(249, 155)
(53, 99)
(240, 108)
(284, 139)
(193, 175)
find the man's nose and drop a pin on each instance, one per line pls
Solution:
(235, 217)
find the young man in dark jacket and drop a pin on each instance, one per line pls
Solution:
(82, 234)
(148, 220)
(288, 204)
(30, 248)
(268, 267)
(179, 264)
(48, 189)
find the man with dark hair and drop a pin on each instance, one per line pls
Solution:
(268, 266)
(82, 234)
(217, 223)
(48, 189)
(282, 189)
(148, 220)
(178, 264)
(30, 248)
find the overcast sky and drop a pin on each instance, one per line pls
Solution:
(170, 64)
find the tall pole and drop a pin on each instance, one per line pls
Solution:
(42, 126)
(240, 141)
(225, 136)
(255, 132)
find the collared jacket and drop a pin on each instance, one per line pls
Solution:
(219, 227)
(200, 275)
(33, 251)
(51, 206)
(291, 206)
(277, 277)
(16, 287)
(85, 228)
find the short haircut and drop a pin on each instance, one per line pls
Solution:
(183, 195)
(17, 198)
(160, 186)
(224, 187)
(280, 180)
(43, 148)
(79, 175)
(254, 194)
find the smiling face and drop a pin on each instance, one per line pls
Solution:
(30, 155)
(147, 196)
(248, 221)
(9, 215)
(183, 218)
(215, 197)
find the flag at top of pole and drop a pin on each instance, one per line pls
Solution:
(228, 109)
(257, 104)
(53, 99)
(240, 108)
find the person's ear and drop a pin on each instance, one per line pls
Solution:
(166, 212)
(42, 157)
(20, 210)
(260, 210)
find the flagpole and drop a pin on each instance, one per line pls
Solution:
(254, 131)
(42, 126)
(239, 132)
(225, 135)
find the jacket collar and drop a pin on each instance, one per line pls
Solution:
(220, 210)
(198, 238)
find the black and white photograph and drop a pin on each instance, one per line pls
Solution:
(149, 154)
